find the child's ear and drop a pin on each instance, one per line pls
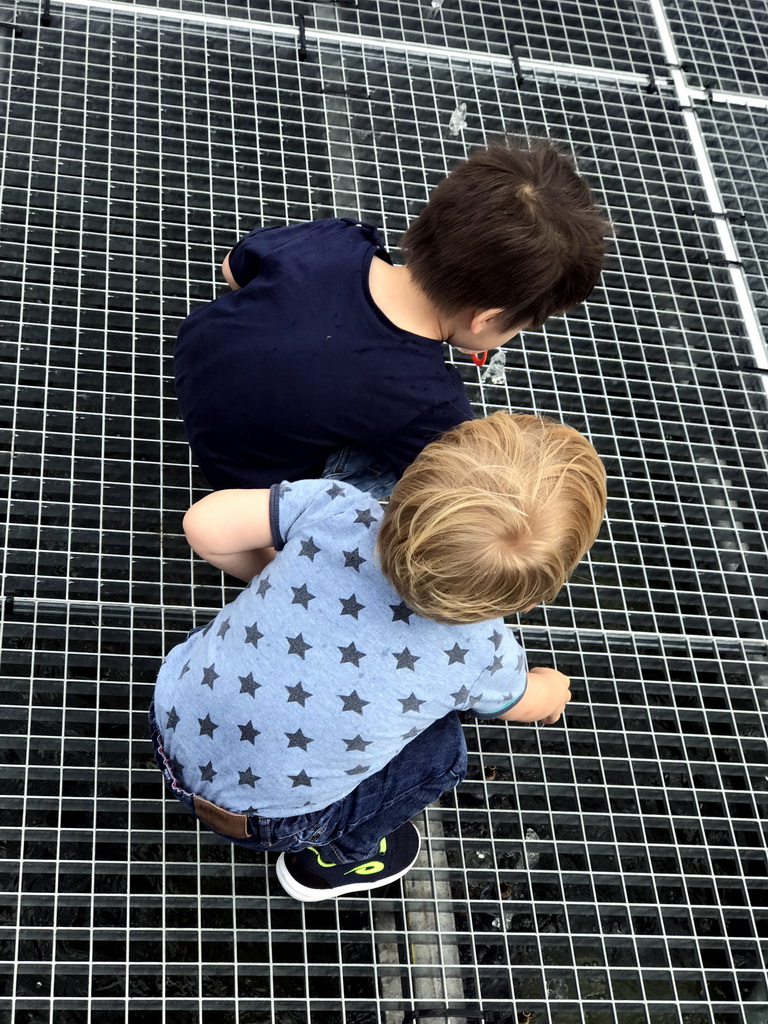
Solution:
(482, 318)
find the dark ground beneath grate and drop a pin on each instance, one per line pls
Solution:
(611, 871)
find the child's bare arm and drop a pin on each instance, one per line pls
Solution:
(546, 695)
(231, 530)
(228, 276)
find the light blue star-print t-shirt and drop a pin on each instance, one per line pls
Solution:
(318, 674)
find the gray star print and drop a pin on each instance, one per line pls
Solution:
(406, 660)
(411, 733)
(247, 733)
(353, 559)
(401, 613)
(309, 549)
(520, 666)
(353, 703)
(358, 770)
(252, 635)
(207, 628)
(456, 654)
(210, 675)
(302, 596)
(184, 670)
(358, 743)
(411, 703)
(297, 645)
(352, 655)
(460, 697)
(283, 489)
(496, 639)
(298, 739)
(351, 606)
(263, 587)
(177, 769)
(207, 726)
(248, 684)
(302, 779)
(297, 694)
(173, 719)
(206, 772)
(335, 491)
(223, 628)
(495, 665)
(247, 778)
(365, 517)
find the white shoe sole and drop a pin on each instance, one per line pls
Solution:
(306, 895)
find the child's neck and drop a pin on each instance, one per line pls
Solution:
(398, 298)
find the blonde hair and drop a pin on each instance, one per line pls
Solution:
(492, 518)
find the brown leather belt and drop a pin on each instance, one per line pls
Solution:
(227, 822)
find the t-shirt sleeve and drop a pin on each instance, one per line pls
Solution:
(245, 258)
(502, 682)
(401, 447)
(293, 506)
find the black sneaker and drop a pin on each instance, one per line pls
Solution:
(308, 877)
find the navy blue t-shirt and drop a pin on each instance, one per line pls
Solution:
(300, 362)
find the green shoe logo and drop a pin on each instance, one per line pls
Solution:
(320, 861)
(371, 867)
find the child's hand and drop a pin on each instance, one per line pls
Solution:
(559, 691)
(545, 698)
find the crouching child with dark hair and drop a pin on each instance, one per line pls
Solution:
(326, 359)
(316, 714)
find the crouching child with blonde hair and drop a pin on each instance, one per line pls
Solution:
(316, 714)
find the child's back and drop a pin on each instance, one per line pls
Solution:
(300, 362)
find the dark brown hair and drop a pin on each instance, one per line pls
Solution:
(514, 227)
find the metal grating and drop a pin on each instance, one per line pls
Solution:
(612, 35)
(612, 871)
(722, 42)
(736, 139)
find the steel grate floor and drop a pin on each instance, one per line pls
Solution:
(613, 870)
(722, 43)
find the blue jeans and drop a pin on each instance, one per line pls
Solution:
(362, 470)
(351, 828)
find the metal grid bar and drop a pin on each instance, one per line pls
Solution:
(736, 139)
(613, 36)
(722, 42)
(687, 98)
(613, 870)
